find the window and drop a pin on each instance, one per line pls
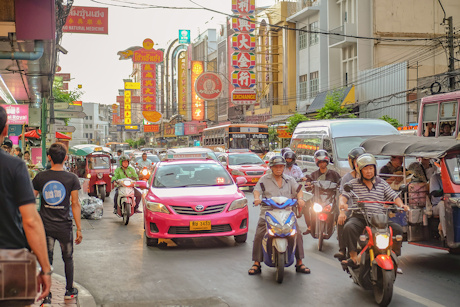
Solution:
(314, 83)
(303, 87)
(91, 126)
(90, 135)
(303, 38)
(90, 117)
(86, 126)
(314, 37)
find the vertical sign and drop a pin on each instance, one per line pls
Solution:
(127, 107)
(184, 36)
(182, 85)
(197, 102)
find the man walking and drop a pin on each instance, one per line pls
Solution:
(56, 186)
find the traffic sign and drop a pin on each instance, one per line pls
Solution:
(59, 105)
(60, 128)
(69, 114)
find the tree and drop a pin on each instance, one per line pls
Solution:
(392, 121)
(294, 120)
(64, 96)
(273, 136)
(333, 107)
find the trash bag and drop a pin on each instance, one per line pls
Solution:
(92, 208)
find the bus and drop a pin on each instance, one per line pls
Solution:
(237, 136)
(117, 145)
(439, 115)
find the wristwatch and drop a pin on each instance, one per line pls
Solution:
(47, 273)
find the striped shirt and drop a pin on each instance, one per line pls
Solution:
(380, 191)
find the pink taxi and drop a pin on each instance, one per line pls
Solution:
(244, 164)
(193, 196)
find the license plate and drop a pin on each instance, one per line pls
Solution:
(200, 225)
(254, 180)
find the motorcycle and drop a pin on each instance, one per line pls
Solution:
(323, 211)
(379, 263)
(126, 200)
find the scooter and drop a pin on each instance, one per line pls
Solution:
(126, 200)
(323, 212)
(379, 263)
(279, 242)
(144, 173)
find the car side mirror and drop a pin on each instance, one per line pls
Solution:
(348, 187)
(141, 184)
(224, 163)
(241, 181)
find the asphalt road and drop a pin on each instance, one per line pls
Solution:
(117, 267)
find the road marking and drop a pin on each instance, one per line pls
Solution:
(412, 296)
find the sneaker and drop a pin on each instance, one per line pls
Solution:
(399, 271)
(115, 211)
(70, 294)
(46, 301)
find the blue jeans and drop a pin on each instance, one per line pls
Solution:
(65, 239)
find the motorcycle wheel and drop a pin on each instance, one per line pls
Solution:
(279, 267)
(101, 192)
(383, 289)
(126, 212)
(321, 235)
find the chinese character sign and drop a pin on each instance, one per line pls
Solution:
(243, 6)
(182, 87)
(197, 102)
(148, 84)
(94, 20)
(127, 107)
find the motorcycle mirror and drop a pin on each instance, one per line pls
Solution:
(305, 170)
(348, 187)
(403, 188)
(113, 161)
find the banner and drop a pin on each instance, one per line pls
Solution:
(92, 20)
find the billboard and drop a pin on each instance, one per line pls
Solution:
(197, 102)
(83, 19)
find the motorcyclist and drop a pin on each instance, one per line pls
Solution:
(144, 162)
(292, 169)
(276, 184)
(354, 173)
(322, 160)
(367, 187)
(126, 171)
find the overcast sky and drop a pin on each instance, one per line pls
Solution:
(92, 59)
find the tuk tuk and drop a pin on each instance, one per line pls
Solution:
(420, 224)
(94, 163)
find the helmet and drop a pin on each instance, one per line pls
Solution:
(284, 150)
(123, 158)
(289, 155)
(366, 159)
(8, 142)
(276, 160)
(321, 155)
(354, 154)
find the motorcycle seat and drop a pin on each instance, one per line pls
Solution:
(379, 220)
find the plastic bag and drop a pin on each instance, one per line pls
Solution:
(92, 208)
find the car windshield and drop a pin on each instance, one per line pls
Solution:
(345, 144)
(152, 158)
(242, 159)
(191, 175)
(96, 162)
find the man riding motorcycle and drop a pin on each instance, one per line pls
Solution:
(291, 168)
(126, 171)
(368, 187)
(144, 162)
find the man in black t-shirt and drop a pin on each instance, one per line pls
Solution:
(56, 186)
(20, 224)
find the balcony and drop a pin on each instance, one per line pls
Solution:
(303, 9)
(340, 40)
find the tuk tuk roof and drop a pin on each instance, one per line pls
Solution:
(86, 149)
(410, 145)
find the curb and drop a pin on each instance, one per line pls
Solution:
(85, 298)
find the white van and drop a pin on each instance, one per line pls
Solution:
(337, 137)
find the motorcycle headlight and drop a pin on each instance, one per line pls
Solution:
(127, 182)
(145, 172)
(88, 176)
(270, 221)
(236, 172)
(382, 241)
(238, 204)
(156, 207)
(317, 208)
(99, 175)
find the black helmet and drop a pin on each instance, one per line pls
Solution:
(322, 155)
(284, 150)
(123, 158)
(289, 155)
(354, 154)
(7, 142)
(276, 160)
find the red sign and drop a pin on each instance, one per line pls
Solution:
(243, 42)
(82, 19)
(149, 85)
(243, 23)
(151, 128)
(208, 86)
(240, 97)
(244, 79)
(243, 60)
(243, 6)
(148, 56)
(148, 107)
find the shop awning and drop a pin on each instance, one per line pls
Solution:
(278, 118)
(319, 102)
(62, 136)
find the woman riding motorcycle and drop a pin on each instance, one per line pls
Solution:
(291, 168)
(126, 171)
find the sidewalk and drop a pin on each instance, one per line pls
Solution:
(84, 299)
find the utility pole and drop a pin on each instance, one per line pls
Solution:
(450, 40)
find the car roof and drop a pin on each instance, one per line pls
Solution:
(189, 149)
(189, 161)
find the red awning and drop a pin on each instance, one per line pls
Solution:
(62, 136)
(32, 134)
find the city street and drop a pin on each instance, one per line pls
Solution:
(116, 266)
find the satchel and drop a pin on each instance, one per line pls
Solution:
(18, 276)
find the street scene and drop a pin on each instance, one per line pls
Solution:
(229, 153)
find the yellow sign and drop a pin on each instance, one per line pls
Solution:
(182, 87)
(132, 85)
(127, 114)
(151, 116)
(131, 127)
(147, 44)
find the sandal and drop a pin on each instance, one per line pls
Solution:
(349, 262)
(255, 269)
(302, 269)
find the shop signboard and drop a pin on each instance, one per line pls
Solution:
(243, 42)
(90, 20)
(184, 36)
(208, 86)
(243, 23)
(17, 114)
(244, 97)
(151, 128)
(243, 6)
(179, 129)
(197, 102)
(244, 79)
(243, 60)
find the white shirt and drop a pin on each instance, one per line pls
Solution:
(294, 172)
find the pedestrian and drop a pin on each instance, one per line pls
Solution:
(20, 223)
(18, 152)
(7, 145)
(56, 187)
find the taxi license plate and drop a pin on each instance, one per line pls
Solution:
(254, 180)
(200, 225)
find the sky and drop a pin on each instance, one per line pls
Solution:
(92, 59)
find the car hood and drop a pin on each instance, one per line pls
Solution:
(195, 195)
(249, 167)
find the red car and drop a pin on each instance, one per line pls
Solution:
(193, 197)
(244, 164)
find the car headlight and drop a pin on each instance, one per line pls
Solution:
(99, 175)
(236, 172)
(382, 241)
(156, 207)
(238, 204)
(317, 208)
